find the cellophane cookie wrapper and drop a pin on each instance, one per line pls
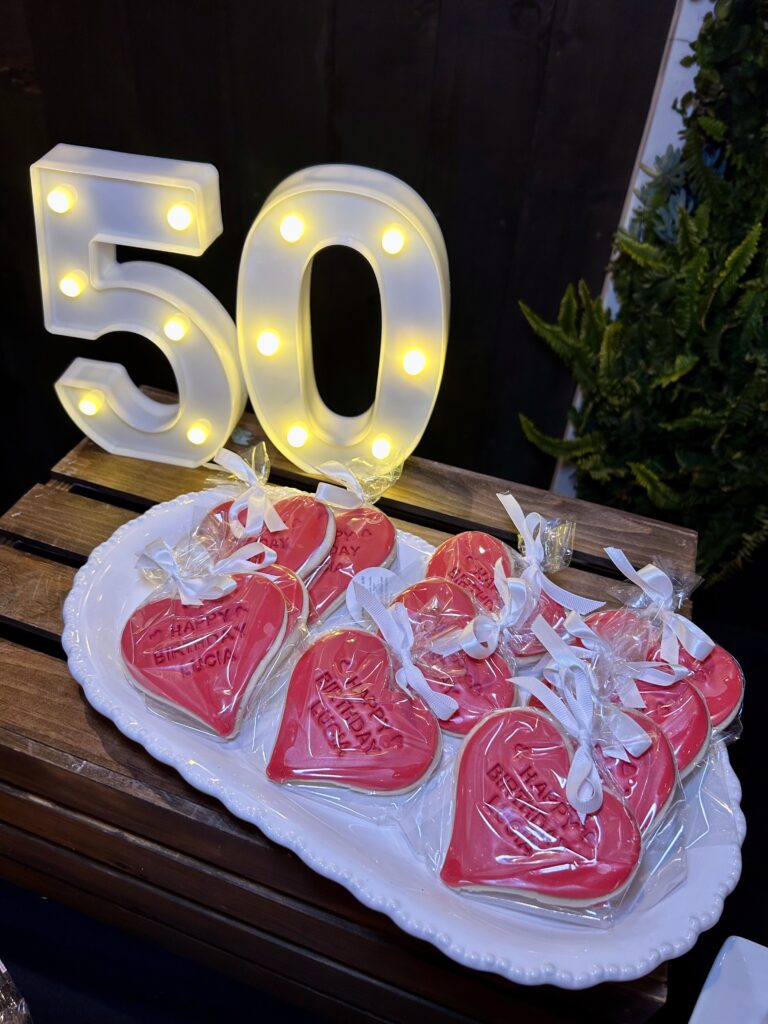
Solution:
(364, 538)
(209, 631)
(657, 594)
(337, 726)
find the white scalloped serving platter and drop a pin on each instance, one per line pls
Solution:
(376, 863)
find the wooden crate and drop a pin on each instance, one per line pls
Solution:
(88, 818)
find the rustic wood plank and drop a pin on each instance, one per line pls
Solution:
(32, 592)
(51, 517)
(99, 759)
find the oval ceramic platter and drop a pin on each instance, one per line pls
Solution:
(377, 864)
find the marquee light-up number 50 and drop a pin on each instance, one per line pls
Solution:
(87, 201)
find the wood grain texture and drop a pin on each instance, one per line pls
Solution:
(441, 496)
(32, 592)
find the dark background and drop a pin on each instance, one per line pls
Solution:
(518, 121)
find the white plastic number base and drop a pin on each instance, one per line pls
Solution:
(375, 863)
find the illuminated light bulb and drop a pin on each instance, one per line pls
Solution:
(61, 199)
(291, 227)
(267, 343)
(175, 328)
(179, 216)
(90, 403)
(73, 284)
(198, 432)
(392, 241)
(414, 362)
(381, 448)
(297, 436)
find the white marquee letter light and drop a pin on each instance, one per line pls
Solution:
(395, 230)
(86, 202)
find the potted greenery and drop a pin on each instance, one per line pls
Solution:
(672, 417)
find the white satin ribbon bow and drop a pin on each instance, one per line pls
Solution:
(205, 579)
(676, 629)
(574, 707)
(348, 495)
(395, 626)
(623, 673)
(480, 637)
(261, 512)
(529, 527)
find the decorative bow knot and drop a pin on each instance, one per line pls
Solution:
(659, 589)
(349, 495)
(622, 673)
(260, 510)
(395, 626)
(530, 529)
(202, 579)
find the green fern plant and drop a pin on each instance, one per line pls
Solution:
(672, 419)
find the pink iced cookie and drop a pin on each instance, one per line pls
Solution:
(437, 607)
(681, 713)
(346, 722)
(301, 547)
(206, 660)
(364, 537)
(719, 680)
(648, 781)
(514, 830)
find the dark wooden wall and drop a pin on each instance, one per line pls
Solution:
(518, 121)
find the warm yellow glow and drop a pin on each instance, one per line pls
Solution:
(175, 328)
(414, 362)
(90, 403)
(392, 241)
(198, 433)
(381, 448)
(61, 199)
(297, 436)
(291, 227)
(72, 284)
(179, 216)
(267, 343)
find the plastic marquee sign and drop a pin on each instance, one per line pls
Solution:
(88, 201)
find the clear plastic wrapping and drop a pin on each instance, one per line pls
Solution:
(210, 631)
(13, 1006)
(655, 595)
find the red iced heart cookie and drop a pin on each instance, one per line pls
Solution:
(469, 559)
(301, 547)
(436, 607)
(295, 594)
(515, 832)
(347, 723)
(647, 781)
(681, 713)
(719, 680)
(206, 659)
(364, 538)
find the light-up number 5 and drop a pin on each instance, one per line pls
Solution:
(395, 230)
(86, 202)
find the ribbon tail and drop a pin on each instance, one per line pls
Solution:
(576, 603)
(410, 677)
(692, 637)
(583, 787)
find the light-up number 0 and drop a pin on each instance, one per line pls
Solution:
(87, 201)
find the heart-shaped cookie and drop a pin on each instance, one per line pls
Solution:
(347, 723)
(469, 560)
(435, 608)
(364, 537)
(207, 659)
(719, 680)
(648, 781)
(513, 828)
(301, 547)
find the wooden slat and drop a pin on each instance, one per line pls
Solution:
(430, 492)
(51, 517)
(118, 793)
(32, 592)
